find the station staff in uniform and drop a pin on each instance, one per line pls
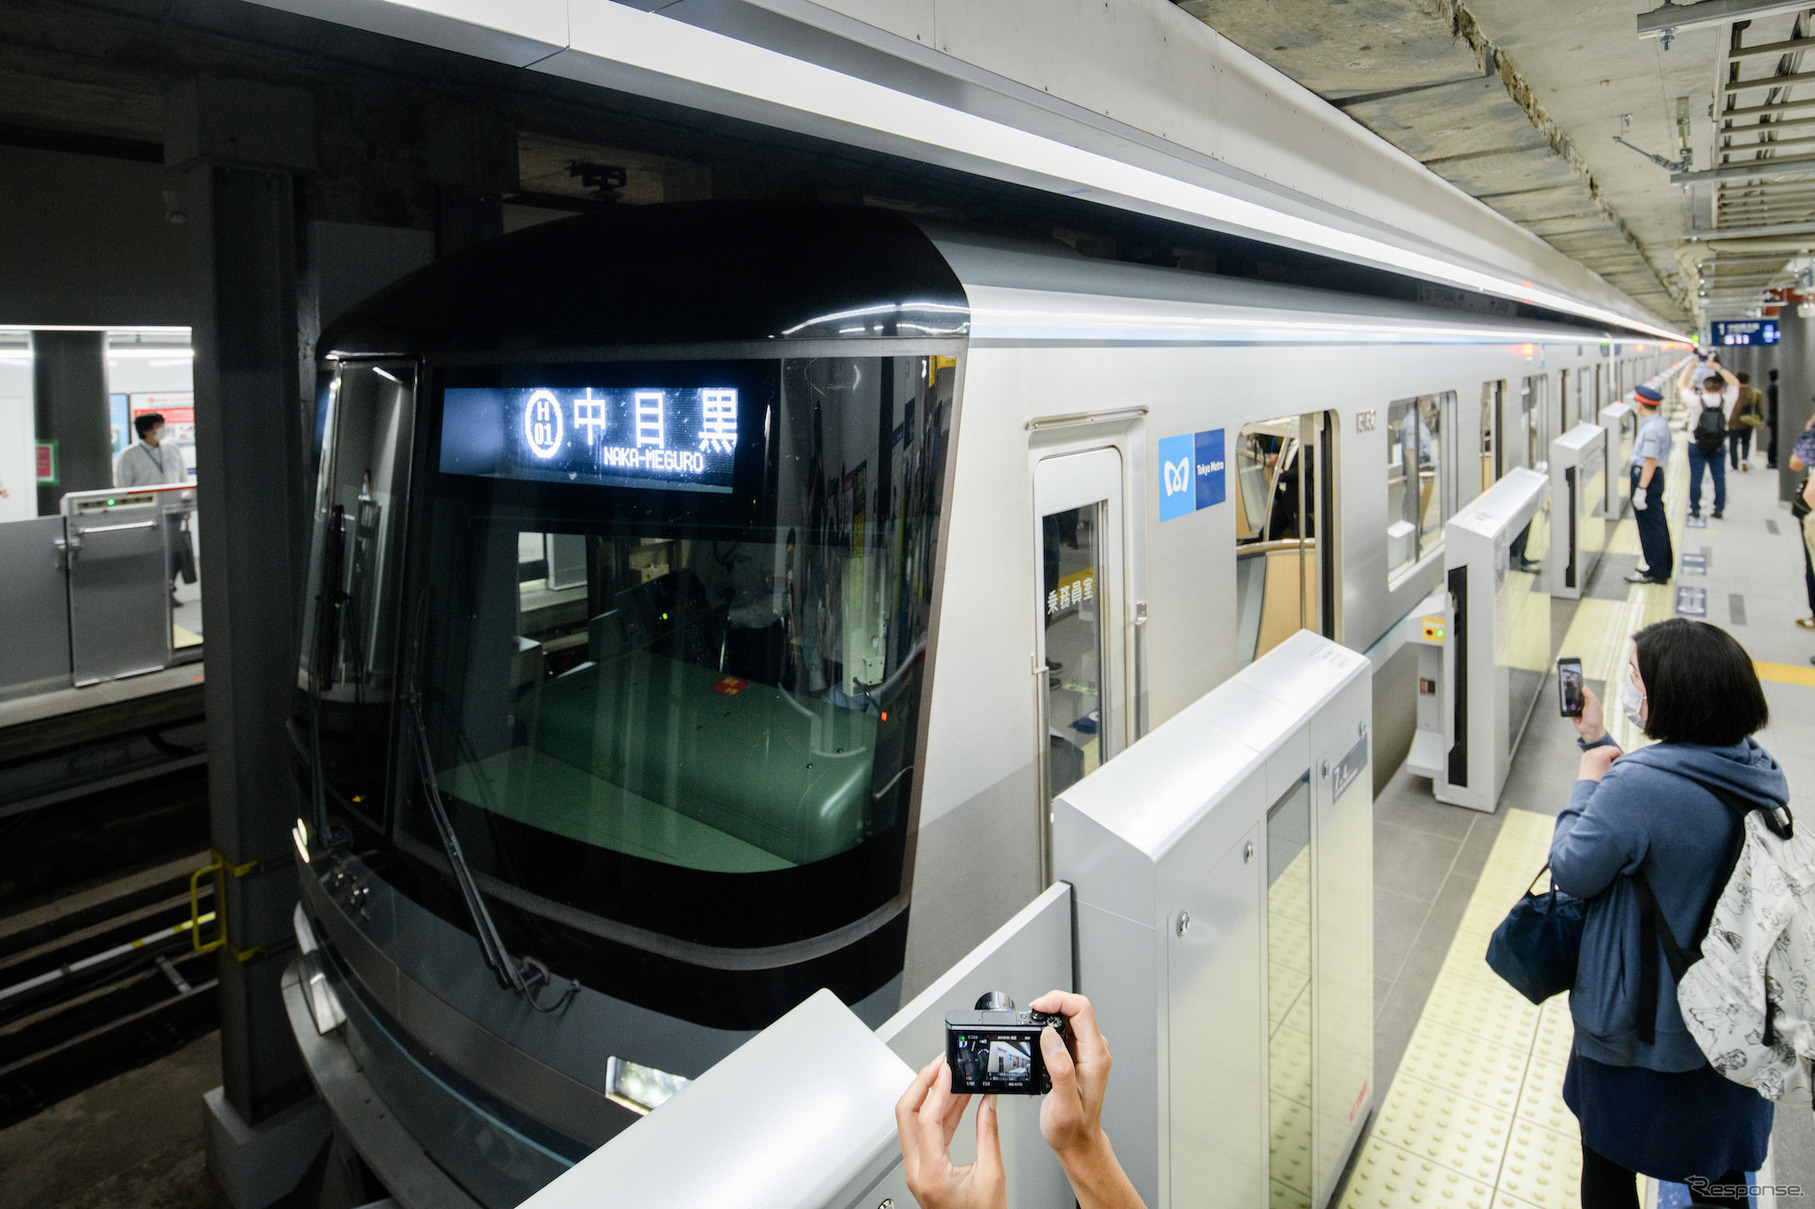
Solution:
(150, 462)
(1650, 450)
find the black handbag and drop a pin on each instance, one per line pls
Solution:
(185, 554)
(1536, 946)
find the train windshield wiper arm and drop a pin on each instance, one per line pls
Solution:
(497, 959)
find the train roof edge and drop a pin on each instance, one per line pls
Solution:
(677, 273)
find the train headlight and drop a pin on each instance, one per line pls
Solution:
(640, 1088)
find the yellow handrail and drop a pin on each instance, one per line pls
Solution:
(220, 869)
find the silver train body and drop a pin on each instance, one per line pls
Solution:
(1132, 480)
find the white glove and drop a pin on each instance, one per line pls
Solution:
(1638, 500)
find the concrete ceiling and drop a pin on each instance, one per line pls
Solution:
(1518, 103)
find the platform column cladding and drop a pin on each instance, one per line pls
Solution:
(240, 147)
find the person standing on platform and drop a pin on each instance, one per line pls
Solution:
(1771, 421)
(1751, 407)
(1802, 507)
(152, 463)
(1717, 393)
(1650, 450)
(1644, 840)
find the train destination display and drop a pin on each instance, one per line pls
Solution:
(667, 437)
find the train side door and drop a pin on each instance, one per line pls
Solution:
(1082, 657)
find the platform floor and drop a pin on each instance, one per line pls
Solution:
(1472, 1115)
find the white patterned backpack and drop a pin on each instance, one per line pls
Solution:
(1749, 1001)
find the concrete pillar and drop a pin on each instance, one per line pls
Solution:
(69, 404)
(1796, 392)
(239, 146)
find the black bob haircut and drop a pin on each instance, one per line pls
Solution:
(1699, 684)
(145, 423)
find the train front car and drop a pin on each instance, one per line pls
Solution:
(615, 665)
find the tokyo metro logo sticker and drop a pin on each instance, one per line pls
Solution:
(1192, 473)
(1178, 478)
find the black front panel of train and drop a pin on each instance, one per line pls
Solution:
(669, 624)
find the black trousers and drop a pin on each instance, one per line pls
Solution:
(1607, 1185)
(1808, 577)
(1739, 446)
(1654, 531)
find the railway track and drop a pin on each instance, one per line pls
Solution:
(100, 982)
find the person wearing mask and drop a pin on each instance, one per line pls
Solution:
(1071, 1117)
(1650, 450)
(1751, 406)
(1717, 393)
(152, 462)
(1802, 457)
(1646, 1097)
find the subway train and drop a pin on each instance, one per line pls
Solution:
(706, 601)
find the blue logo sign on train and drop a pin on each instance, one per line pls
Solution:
(1192, 473)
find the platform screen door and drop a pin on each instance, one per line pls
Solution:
(1080, 661)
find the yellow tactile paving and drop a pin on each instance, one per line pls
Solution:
(1541, 1100)
(1498, 1014)
(1386, 1177)
(1466, 1064)
(1437, 1125)
(1464, 1120)
(1543, 1166)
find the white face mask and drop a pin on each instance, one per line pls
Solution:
(1632, 702)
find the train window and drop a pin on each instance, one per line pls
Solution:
(1493, 454)
(649, 667)
(1533, 422)
(1419, 497)
(1284, 573)
(349, 630)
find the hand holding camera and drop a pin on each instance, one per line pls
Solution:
(1054, 1047)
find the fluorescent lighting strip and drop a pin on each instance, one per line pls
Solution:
(1004, 313)
(615, 33)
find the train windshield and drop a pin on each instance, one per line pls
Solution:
(671, 625)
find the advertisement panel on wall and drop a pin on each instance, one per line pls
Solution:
(178, 409)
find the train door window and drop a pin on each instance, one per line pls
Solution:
(1493, 401)
(1585, 408)
(1083, 721)
(1284, 571)
(1600, 388)
(1534, 418)
(1420, 496)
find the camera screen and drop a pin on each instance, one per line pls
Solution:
(994, 1059)
(1569, 688)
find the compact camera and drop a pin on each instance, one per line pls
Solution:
(995, 1049)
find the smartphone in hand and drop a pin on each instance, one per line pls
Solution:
(1569, 686)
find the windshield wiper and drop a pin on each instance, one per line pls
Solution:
(491, 945)
(526, 976)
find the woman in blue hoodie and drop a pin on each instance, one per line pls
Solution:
(1646, 1097)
